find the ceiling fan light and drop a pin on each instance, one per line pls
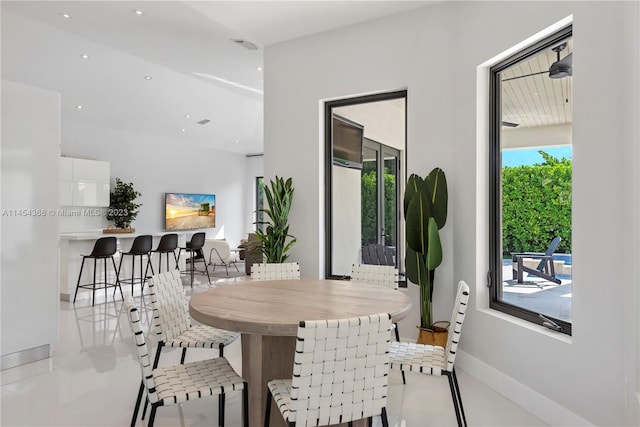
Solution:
(559, 70)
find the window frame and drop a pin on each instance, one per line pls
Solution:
(494, 274)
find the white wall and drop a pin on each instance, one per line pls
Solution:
(434, 53)
(30, 149)
(347, 224)
(158, 165)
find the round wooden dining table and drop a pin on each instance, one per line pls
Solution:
(267, 314)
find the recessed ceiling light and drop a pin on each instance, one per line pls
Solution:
(187, 116)
(65, 15)
(259, 68)
(79, 107)
(237, 141)
(138, 12)
(148, 77)
(84, 56)
(183, 130)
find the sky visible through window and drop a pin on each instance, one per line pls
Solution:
(530, 156)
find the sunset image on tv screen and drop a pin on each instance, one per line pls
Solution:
(185, 211)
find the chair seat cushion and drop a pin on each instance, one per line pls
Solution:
(281, 392)
(427, 359)
(177, 384)
(202, 336)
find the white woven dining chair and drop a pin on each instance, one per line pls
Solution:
(172, 321)
(275, 271)
(340, 373)
(383, 275)
(177, 384)
(436, 360)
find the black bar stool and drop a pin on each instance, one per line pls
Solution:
(104, 248)
(194, 247)
(168, 244)
(141, 246)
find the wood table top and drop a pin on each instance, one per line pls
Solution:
(276, 307)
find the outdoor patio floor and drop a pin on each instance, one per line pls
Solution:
(537, 294)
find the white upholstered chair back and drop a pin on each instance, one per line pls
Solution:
(170, 312)
(340, 370)
(384, 275)
(275, 271)
(145, 359)
(218, 250)
(455, 327)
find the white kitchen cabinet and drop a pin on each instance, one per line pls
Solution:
(84, 182)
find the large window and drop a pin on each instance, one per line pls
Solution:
(530, 171)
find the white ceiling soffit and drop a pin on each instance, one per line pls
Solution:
(269, 22)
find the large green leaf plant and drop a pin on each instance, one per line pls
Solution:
(275, 240)
(425, 213)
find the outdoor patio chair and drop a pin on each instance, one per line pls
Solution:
(436, 360)
(544, 269)
(378, 254)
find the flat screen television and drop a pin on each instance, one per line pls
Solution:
(188, 211)
(347, 137)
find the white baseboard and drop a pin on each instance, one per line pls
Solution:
(530, 400)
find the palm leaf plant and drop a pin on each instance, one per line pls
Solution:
(275, 240)
(425, 213)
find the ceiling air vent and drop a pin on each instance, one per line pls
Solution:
(204, 121)
(245, 44)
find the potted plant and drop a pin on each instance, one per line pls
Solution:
(272, 240)
(425, 213)
(122, 209)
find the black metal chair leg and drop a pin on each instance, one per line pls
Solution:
(105, 280)
(144, 411)
(454, 398)
(95, 264)
(118, 270)
(137, 407)
(221, 409)
(158, 351)
(455, 381)
(79, 277)
(385, 420)
(152, 417)
(117, 280)
(207, 270)
(245, 405)
(350, 423)
(267, 409)
(184, 354)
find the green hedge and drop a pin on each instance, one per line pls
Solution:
(536, 205)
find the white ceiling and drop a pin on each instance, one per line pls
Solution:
(185, 47)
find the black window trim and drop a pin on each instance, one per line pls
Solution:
(328, 150)
(495, 164)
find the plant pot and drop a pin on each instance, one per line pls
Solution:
(436, 336)
(118, 230)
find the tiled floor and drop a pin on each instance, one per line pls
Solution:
(94, 376)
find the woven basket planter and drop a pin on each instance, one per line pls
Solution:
(436, 336)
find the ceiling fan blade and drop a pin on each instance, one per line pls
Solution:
(525, 75)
